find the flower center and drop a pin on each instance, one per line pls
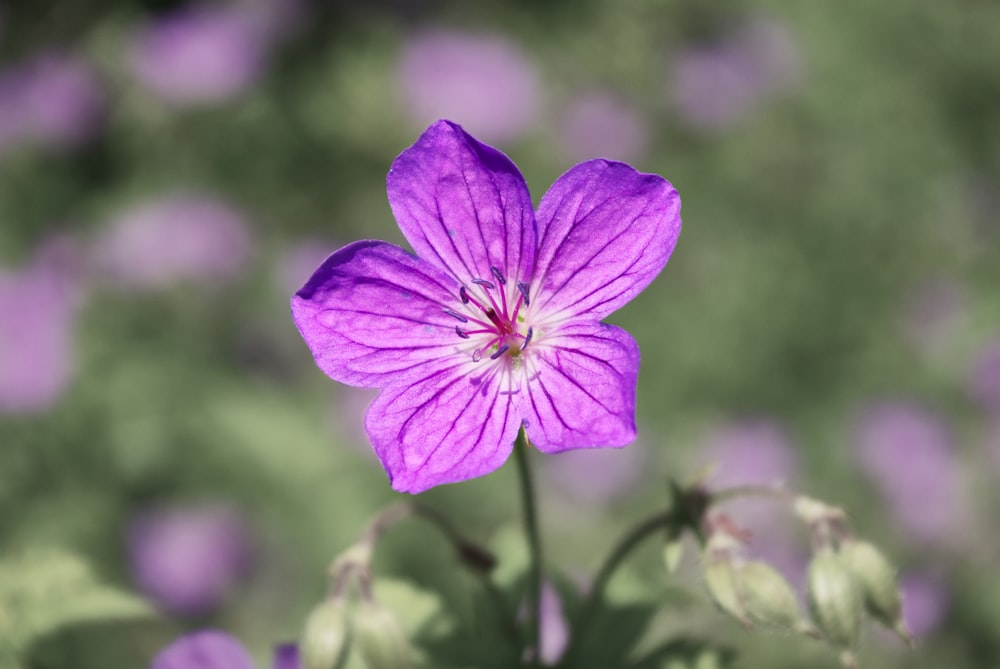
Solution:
(493, 324)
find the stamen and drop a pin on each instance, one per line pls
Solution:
(500, 351)
(484, 283)
(460, 333)
(463, 295)
(477, 355)
(455, 314)
(527, 338)
(523, 287)
(499, 276)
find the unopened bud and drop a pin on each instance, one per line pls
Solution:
(877, 579)
(721, 581)
(835, 599)
(672, 554)
(327, 637)
(381, 640)
(768, 599)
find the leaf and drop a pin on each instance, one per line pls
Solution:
(610, 637)
(43, 590)
(686, 654)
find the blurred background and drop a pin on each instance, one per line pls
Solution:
(172, 172)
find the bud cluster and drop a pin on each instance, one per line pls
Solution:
(847, 577)
(337, 627)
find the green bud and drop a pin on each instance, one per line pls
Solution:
(877, 579)
(326, 641)
(722, 583)
(835, 599)
(768, 599)
(672, 554)
(381, 641)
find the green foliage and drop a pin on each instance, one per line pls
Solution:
(43, 591)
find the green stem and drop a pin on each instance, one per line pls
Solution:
(534, 545)
(628, 543)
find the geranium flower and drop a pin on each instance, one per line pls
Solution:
(211, 649)
(494, 325)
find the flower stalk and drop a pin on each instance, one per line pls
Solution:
(528, 508)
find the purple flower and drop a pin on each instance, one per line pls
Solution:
(38, 306)
(53, 101)
(909, 454)
(984, 379)
(200, 56)
(174, 238)
(211, 649)
(495, 324)
(483, 79)
(925, 602)
(599, 124)
(188, 560)
(714, 85)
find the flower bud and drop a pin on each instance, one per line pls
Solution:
(877, 579)
(326, 641)
(381, 641)
(835, 599)
(768, 599)
(722, 583)
(672, 554)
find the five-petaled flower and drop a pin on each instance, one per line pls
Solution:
(494, 325)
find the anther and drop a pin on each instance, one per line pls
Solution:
(455, 314)
(477, 355)
(499, 276)
(463, 295)
(500, 351)
(484, 283)
(523, 287)
(527, 338)
(460, 333)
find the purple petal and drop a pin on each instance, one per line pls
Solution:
(457, 423)
(606, 232)
(207, 649)
(463, 206)
(372, 315)
(582, 388)
(286, 656)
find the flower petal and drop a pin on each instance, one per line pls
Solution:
(457, 423)
(373, 314)
(206, 649)
(581, 388)
(286, 656)
(605, 232)
(463, 205)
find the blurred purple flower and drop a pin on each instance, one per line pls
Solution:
(715, 85)
(755, 452)
(934, 314)
(494, 324)
(484, 80)
(598, 124)
(925, 602)
(171, 239)
(54, 101)
(553, 626)
(201, 55)
(189, 559)
(596, 475)
(38, 305)
(984, 378)
(909, 455)
(211, 649)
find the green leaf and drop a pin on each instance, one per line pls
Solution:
(612, 634)
(43, 590)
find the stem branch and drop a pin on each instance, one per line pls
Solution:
(534, 545)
